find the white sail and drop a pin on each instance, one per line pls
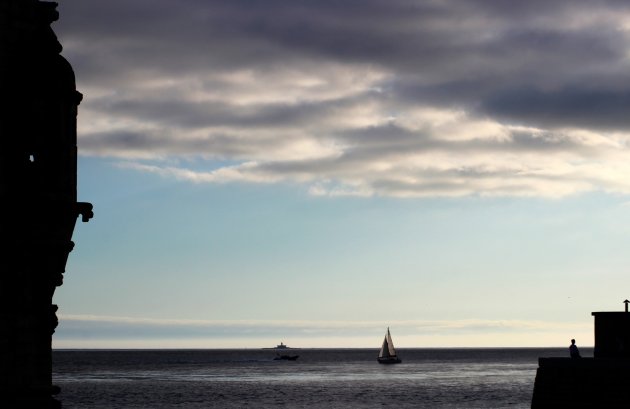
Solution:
(387, 349)
(390, 344)
(384, 353)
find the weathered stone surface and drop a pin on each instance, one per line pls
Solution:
(38, 172)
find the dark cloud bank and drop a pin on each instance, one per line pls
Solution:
(379, 98)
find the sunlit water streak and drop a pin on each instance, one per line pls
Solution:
(320, 378)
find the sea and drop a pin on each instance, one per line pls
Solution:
(319, 378)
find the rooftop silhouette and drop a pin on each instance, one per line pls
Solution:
(591, 382)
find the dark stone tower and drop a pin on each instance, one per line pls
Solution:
(38, 196)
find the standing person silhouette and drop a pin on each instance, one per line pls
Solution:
(573, 350)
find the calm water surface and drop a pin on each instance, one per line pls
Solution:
(320, 378)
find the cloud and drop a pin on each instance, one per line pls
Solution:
(92, 326)
(398, 99)
(89, 331)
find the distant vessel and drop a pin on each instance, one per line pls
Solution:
(281, 346)
(387, 355)
(284, 357)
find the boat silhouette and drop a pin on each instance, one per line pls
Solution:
(387, 355)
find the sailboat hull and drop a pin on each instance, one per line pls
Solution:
(390, 360)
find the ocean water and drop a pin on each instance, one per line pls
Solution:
(319, 378)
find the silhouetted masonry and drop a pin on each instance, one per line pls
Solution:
(38, 196)
(597, 382)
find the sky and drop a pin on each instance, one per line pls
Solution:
(312, 172)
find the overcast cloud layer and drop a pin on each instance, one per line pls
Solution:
(392, 98)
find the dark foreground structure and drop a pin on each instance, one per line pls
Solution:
(597, 382)
(38, 196)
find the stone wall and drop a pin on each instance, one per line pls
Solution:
(581, 383)
(38, 173)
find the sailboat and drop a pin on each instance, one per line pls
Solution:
(388, 352)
